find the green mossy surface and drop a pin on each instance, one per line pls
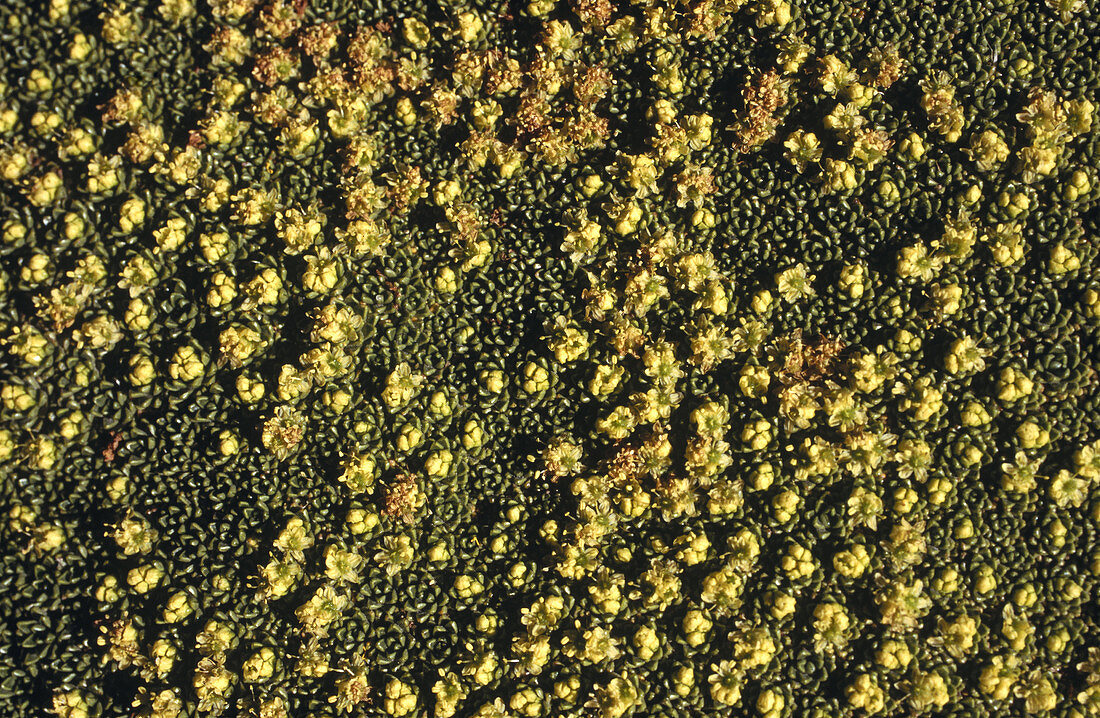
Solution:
(849, 463)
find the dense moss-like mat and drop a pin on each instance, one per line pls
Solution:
(579, 358)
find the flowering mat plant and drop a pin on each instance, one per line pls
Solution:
(549, 358)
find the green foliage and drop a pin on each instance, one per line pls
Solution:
(580, 358)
